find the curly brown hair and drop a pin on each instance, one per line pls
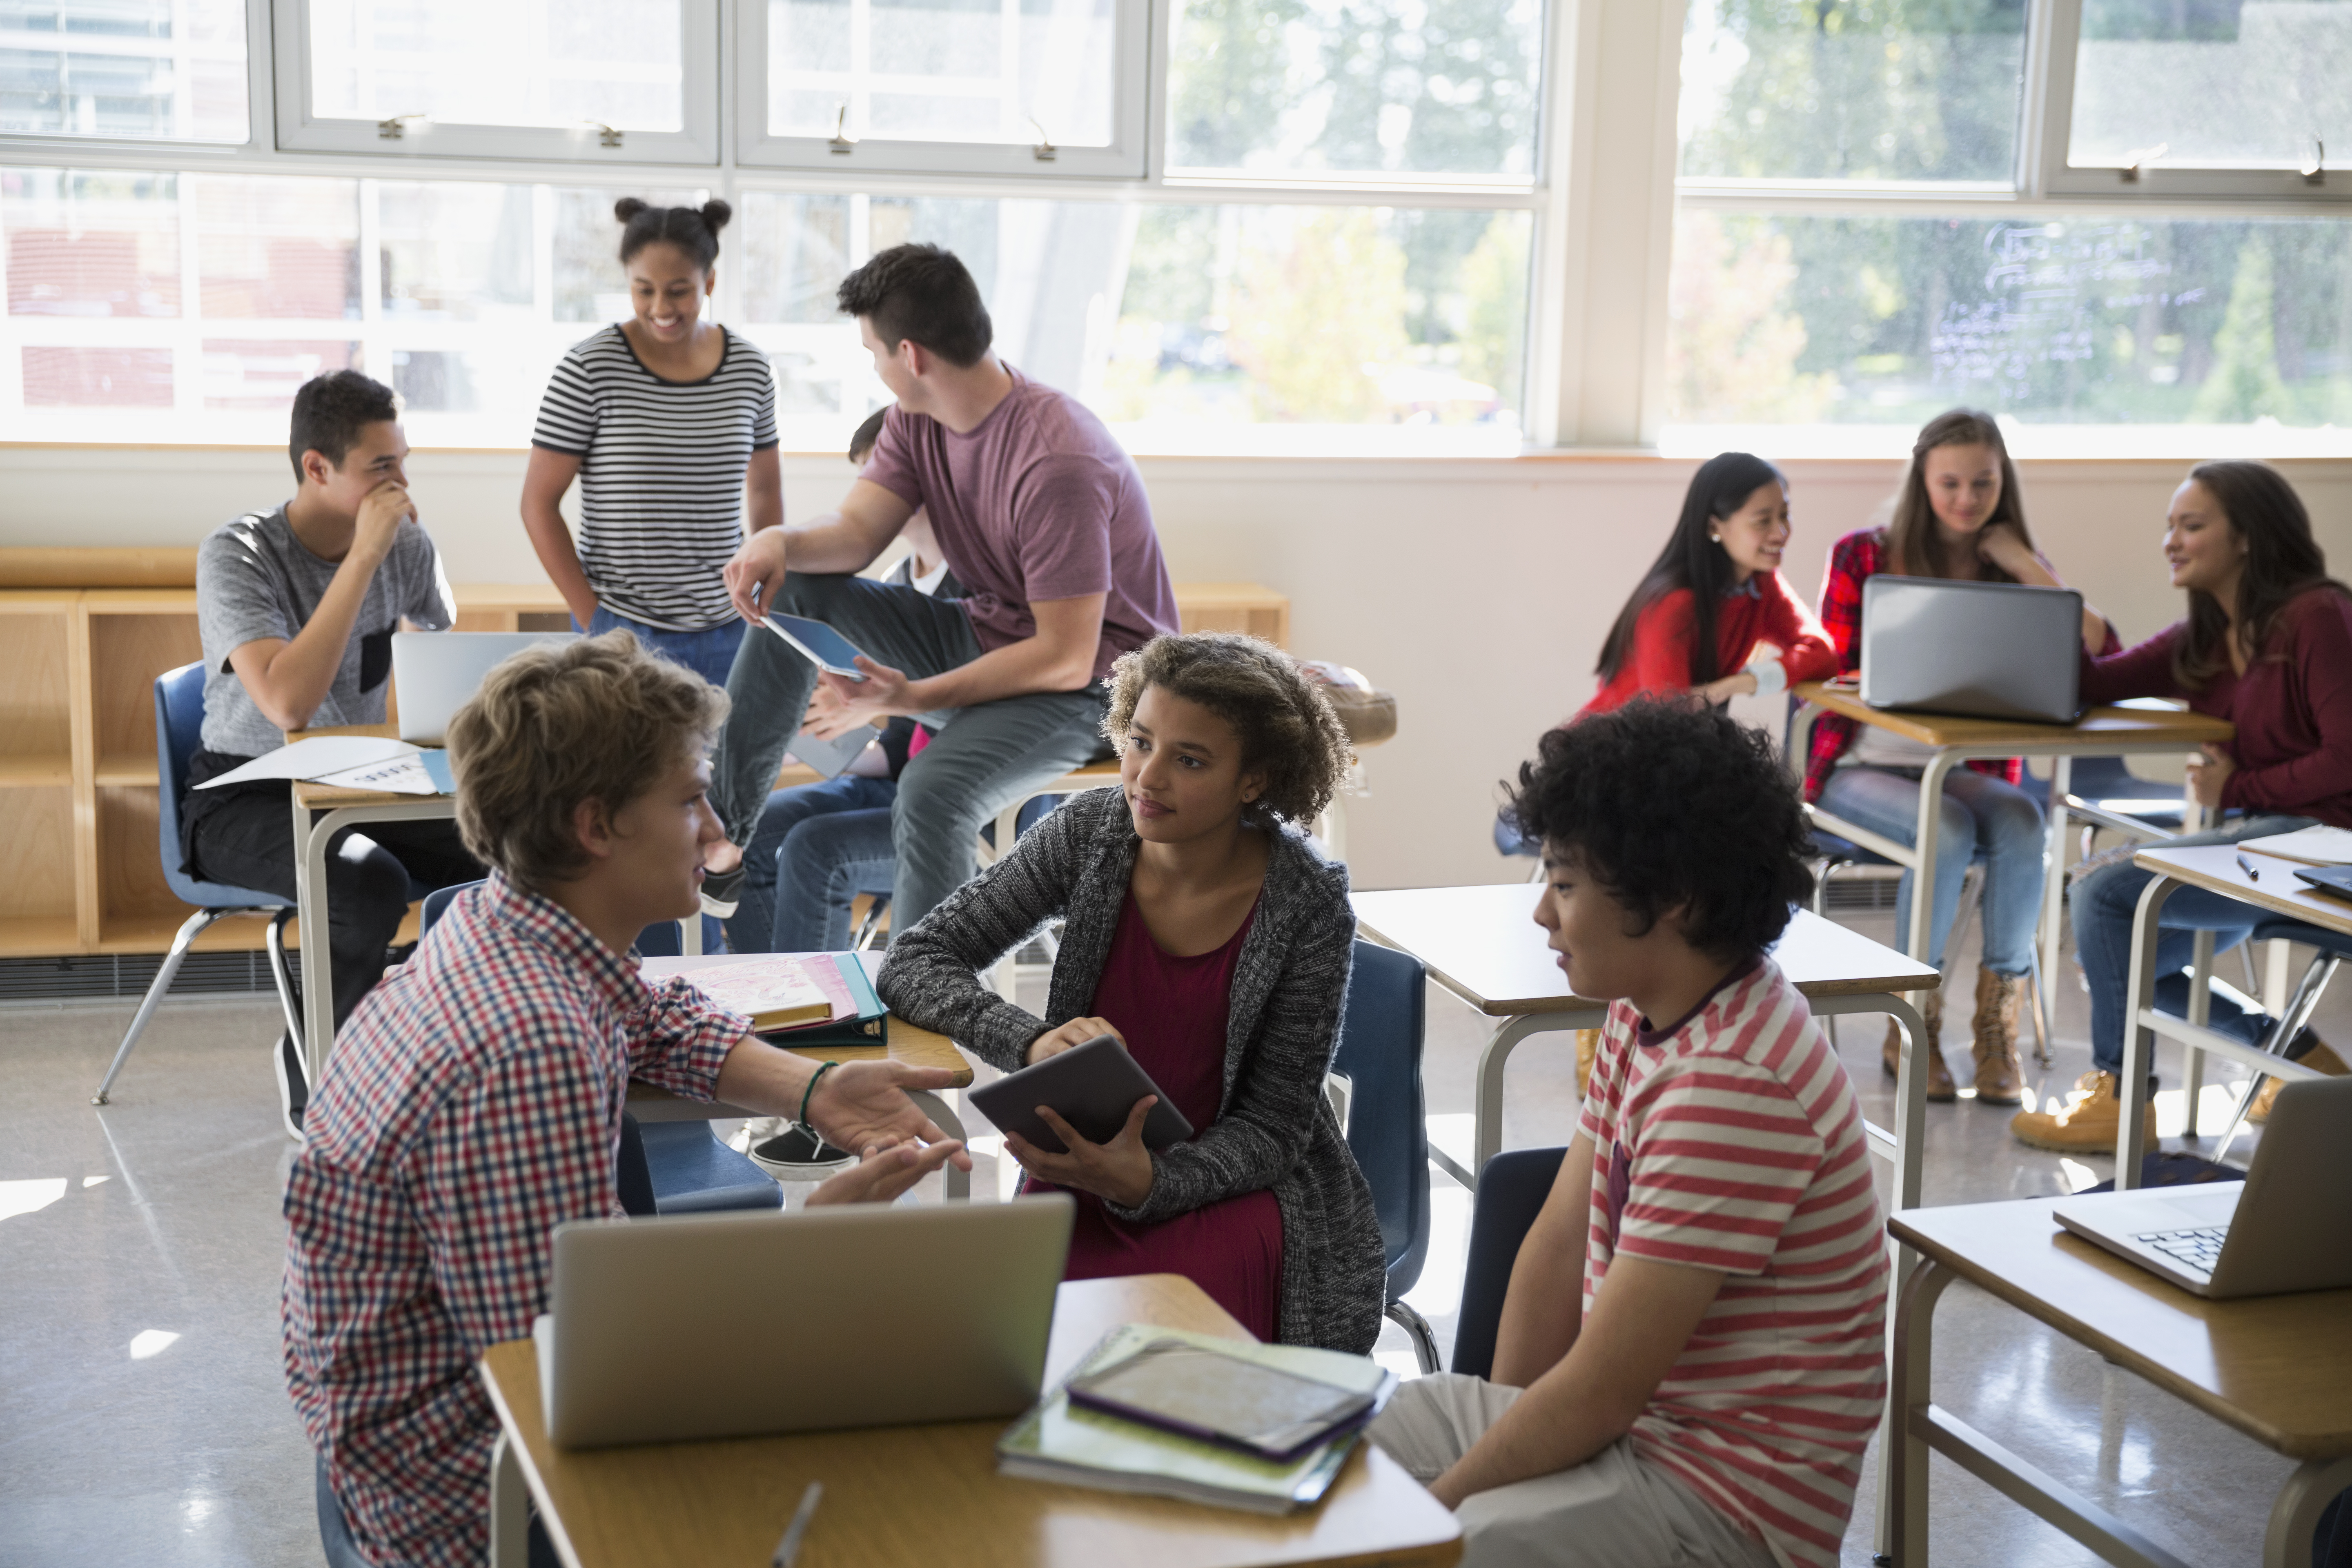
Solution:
(1287, 726)
(599, 718)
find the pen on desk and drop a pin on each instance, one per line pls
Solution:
(789, 1547)
(2247, 868)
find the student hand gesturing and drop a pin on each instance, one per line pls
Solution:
(1119, 1170)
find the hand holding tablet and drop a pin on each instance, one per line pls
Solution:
(1092, 1087)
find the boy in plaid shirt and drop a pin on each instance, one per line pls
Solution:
(474, 1099)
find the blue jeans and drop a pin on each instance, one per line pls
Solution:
(1983, 819)
(2104, 901)
(709, 653)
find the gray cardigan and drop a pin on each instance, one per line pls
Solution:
(1274, 1128)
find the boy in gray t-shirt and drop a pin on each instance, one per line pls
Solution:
(297, 608)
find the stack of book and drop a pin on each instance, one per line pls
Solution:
(797, 1001)
(1219, 1421)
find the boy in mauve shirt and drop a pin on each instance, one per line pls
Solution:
(1691, 1356)
(1038, 512)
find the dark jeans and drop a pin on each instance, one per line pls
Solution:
(982, 759)
(248, 841)
(817, 846)
(2105, 902)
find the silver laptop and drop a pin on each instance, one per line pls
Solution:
(724, 1325)
(1984, 650)
(2288, 1227)
(438, 672)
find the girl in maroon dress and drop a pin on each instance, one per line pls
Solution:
(1207, 933)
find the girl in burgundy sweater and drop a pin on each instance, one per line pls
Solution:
(2267, 645)
(1713, 616)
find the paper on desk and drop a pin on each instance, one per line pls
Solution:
(315, 758)
(397, 775)
(2312, 845)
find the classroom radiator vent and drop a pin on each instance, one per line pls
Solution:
(99, 976)
(1862, 893)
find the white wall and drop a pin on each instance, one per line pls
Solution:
(1477, 592)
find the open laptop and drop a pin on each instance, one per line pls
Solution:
(2288, 1227)
(1983, 651)
(438, 672)
(724, 1325)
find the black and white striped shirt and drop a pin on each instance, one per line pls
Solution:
(661, 473)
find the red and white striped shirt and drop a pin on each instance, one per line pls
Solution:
(1734, 1141)
(472, 1104)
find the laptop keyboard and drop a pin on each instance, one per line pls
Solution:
(2199, 1249)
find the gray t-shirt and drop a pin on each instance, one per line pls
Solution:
(255, 579)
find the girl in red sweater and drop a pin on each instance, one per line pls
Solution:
(2267, 645)
(1713, 616)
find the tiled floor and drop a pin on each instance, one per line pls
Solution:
(142, 1418)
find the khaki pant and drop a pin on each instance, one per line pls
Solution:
(1612, 1511)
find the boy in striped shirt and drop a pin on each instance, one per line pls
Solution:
(1691, 1354)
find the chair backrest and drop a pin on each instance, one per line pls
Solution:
(436, 904)
(179, 731)
(1379, 1051)
(1511, 1192)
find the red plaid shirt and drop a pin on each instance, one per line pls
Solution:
(472, 1104)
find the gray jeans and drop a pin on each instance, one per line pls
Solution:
(982, 758)
(1612, 1511)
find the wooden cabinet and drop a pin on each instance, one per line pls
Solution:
(79, 866)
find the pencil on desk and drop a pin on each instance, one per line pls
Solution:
(2247, 868)
(788, 1548)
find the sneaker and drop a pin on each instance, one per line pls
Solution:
(2312, 1052)
(293, 1084)
(721, 891)
(2087, 1126)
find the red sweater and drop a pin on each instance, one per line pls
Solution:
(1660, 658)
(2293, 707)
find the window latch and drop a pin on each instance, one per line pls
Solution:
(2139, 157)
(605, 135)
(1045, 151)
(842, 143)
(2314, 171)
(394, 129)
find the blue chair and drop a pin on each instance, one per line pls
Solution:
(1511, 1192)
(1378, 1054)
(179, 728)
(686, 1169)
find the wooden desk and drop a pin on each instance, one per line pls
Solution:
(1482, 944)
(2278, 1368)
(2119, 732)
(921, 1495)
(2214, 868)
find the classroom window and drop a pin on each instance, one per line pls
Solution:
(2223, 84)
(2088, 319)
(159, 69)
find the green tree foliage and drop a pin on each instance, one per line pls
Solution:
(1436, 85)
(1229, 79)
(2245, 383)
(1317, 315)
(1495, 280)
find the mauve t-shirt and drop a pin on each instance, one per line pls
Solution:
(1037, 501)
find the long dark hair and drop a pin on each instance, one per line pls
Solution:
(1914, 543)
(2282, 561)
(1693, 560)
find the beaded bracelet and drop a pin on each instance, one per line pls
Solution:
(814, 1080)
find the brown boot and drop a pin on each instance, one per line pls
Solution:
(2316, 1054)
(1940, 1088)
(2088, 1126)
(2000, 1075)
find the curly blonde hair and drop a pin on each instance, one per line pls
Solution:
(600, 719)
(1286, 725)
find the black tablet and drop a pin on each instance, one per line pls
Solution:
(1092, 1087)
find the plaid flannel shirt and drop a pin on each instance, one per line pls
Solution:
(473, 1103)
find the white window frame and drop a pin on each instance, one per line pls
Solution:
(1136, 25)
(300, 128)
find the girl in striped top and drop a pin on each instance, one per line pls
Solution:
(1691, 1357)
(668, 420)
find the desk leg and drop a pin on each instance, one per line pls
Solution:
(958, 1183)
(2139, 1041)
(310, 836)
(1902, 1451)
(1916, 941)
(509, 1507)
(2295, 1516)
(1488, 1139)
(2052, 934)
(2201, 1009)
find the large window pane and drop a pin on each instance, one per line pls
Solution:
(943, 70)
(2078, 321)
(559, 63)
(2212, 83)
(589, 285)
(1356, 86)
(274, 247)
(91, 245)
(162, 68)
(1852, 89)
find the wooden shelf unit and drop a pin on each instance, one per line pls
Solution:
(79, 869)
